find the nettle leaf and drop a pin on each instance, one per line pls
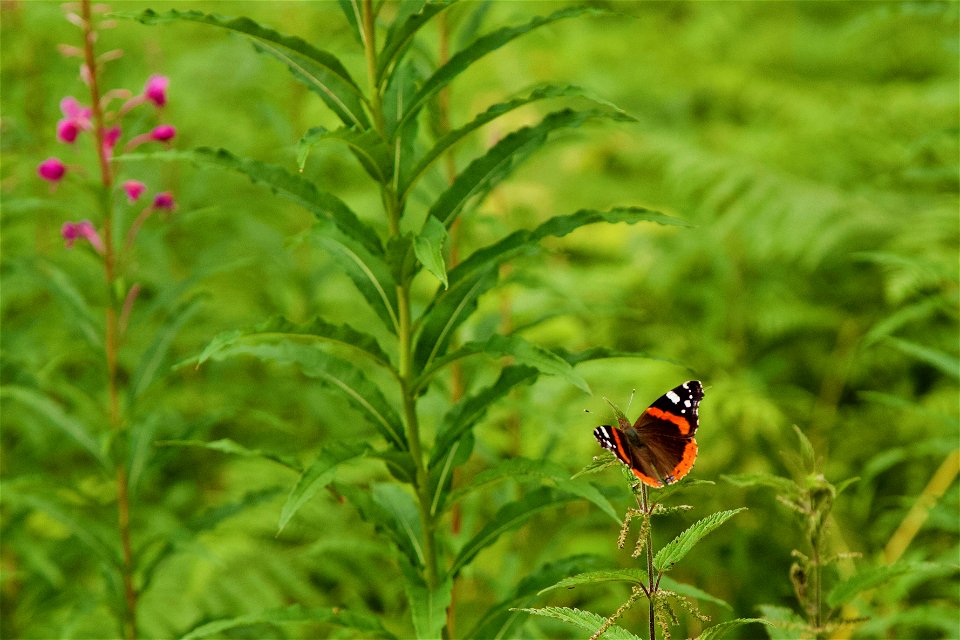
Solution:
(369, 272)
(633, 576)
(501, 620)
(680, 546)
(57, 417)
(586, 620)
(410, 19)
(510, 516)
(788, 624)
(428, 247)
(873, 577)
(721, 630)
(369, 625)
(315, 331)
(366, 145)
(319, 70)
(322, 204)
(493, 112)
(520, 468)
(318, 475)
(501, 159)
(226, 445)
(428, 607)
(462, 60)
(783, 486)
(351, 381)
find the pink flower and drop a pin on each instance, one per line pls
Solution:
(163, 132)
(164, 201)
(110, 137)
(51, 169)
(73, 231)
(156, 90)
(133, 188)
(77, 119)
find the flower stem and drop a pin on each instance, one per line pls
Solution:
(112, 338)
(651, 585)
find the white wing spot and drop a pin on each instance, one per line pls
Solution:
(674, 398)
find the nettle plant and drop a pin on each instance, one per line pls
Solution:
(636, 446)
(404, 263)
(832, 594)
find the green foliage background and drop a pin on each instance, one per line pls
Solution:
(814, 146)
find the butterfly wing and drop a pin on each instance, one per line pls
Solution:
(666, 431)
(626, 445)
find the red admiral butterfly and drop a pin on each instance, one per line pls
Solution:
(659, 448)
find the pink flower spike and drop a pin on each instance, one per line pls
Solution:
(67, 130)
(134, 189)
(77, 119)
(74, 110)
(110, 137)
(163, 132)
(52, 170)
(164, 201)
(73, 231)
(156, 90)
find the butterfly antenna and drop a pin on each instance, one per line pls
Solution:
(633, 392)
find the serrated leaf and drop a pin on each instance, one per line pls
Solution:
(319, 70)
(351, 381)
(484, 45)
(586, 620)
(783, 486)
(428, 247)
(316, 330)
(226, 445)
(365, 623)
(510, 516)
(500, 619)
(873, 577)
(633, 576)
(294, 187)
(680, 546)
(318, 475)
(67, 424)
(428, 607)
(721, 630)
(788, 625)
(369, 149)
(519, 468)
(491, 113)
(693, 592)
(502, 158)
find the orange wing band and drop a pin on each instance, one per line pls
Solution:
(681, 422)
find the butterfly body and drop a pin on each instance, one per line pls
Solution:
(659, 448)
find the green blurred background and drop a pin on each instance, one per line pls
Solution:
(815, 147)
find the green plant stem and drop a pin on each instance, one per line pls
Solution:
(651, 586)
(393, 206)
(112, 337)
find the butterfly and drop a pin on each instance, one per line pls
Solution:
(659, 448)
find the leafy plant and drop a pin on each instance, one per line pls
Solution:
(386, 374)
(663, 594)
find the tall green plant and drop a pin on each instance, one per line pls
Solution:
(385, 374)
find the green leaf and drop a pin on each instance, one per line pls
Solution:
(369, 272)
(633, 576)
(493, 112)
(156, 353)
(353, 14)
(788, 625)
(315, 331)
(428, 247)
(319, 70)
(945, 362)
(459, 62)
(401, 32)
(226, 445)
(501, 159)
(783, 486)
(366, 145)
(81, 316)
(586, 620)
(510, 516)
(392, 512)
(873, 577)
(693, 592)
(318, 475)
(369, 625)
(345, 377)
(519, 468)
(721, 630)
(428, 607)
(680, 546)
(500, 620)
(294, 187)
(57, 417)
